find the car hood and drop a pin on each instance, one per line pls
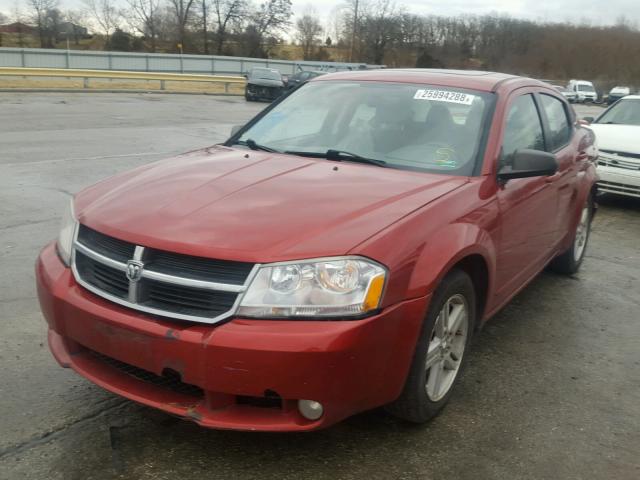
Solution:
(255, 206)
(617, 138)
(265, 82)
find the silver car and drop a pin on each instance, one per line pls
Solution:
(568, 94)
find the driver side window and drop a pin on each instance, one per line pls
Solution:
(523, 129)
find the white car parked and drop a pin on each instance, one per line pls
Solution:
(584, 90)
(617, 93)
(617, 132)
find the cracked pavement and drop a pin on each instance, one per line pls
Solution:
(552, 389)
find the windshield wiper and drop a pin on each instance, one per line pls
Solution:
(340, 155)
(255, 146)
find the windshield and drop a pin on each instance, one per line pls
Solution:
(625, 112)
(417, 127)
(265, 74)
(585, 88)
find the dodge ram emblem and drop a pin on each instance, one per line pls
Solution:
(134, 270)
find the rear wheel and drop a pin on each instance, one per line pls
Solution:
(440, 352)
(570, 260)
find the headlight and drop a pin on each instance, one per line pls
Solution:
(67, 234)
(344, 286)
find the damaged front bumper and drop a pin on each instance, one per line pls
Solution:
(245, 374)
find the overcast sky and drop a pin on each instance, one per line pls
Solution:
(594, 12)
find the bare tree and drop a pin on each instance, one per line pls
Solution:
(77, 19)
(3, 18)
(39, 9)
(52, 20)
(105, 14)
(270, 19)
(17, 15)
(182, 10)
(204, 10)
(227, 13)
(381, 29)
(144, 14)
(308, 31)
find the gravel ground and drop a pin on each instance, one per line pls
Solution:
(552, 388)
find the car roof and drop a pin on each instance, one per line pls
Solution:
(472, 79)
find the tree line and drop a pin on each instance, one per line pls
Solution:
(371, 31)
(224, 27)
(385, 33)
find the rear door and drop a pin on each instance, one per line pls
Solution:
(527, 205)
(559, 135)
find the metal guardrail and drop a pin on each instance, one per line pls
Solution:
(121, 75)
(159, 62)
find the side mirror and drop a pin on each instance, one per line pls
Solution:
(235, 129)
(586, 120)
(529, 163)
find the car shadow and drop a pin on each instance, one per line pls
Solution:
(619, 201)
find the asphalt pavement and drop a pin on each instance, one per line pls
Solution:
(552, 389)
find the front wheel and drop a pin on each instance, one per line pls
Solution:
(440, 352)
(570, 260)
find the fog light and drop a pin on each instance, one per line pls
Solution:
(310, 409)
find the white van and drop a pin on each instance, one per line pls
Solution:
(585, 91)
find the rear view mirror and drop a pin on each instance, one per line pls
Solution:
(529, 163)
(586, 120)
(235, 129)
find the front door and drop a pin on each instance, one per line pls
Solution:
(527, 205)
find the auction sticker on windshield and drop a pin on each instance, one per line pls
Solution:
(444, 96)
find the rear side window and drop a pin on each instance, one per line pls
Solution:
(559, 125)
(523, 130)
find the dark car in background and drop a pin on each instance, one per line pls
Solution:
(617, 93)
(263, 84)
(299, 78)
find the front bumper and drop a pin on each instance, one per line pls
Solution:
(584, 98)
(348, 366)
(264, 92)
(619, 181)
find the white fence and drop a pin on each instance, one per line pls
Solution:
(157, 62)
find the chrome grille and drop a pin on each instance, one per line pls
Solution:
(104, 277)
(621, 188)
(619, 160)
(161, 283)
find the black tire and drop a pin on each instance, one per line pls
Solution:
(248, 97)
(414, 404)
(568, 262)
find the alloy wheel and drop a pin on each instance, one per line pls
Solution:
(446, 347)
(582, 234)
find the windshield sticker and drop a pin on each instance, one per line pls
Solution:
(444, 96)
(445, 157)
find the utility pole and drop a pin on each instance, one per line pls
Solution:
(353, 33)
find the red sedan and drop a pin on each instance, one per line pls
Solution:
(335, 255)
